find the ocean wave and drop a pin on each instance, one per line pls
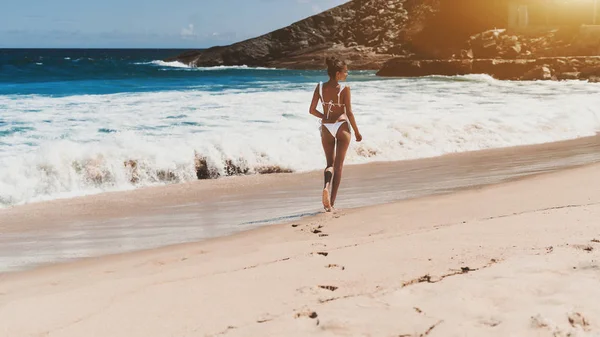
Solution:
(54, 147)
(177, 64)
(174, 64)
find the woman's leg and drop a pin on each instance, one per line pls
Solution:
(343, 141)
(328, 142)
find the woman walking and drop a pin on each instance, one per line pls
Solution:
(336, 119)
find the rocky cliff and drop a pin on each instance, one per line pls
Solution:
(543, 68)
(551, 54)
(365, 32)
(417, 38)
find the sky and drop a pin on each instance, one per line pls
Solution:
(146, 23)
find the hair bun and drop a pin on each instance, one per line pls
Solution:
(334, 65)
(330, 61)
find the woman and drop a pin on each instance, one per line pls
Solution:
(335, 131)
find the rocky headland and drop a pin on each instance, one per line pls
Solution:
(420, 38)
(367, 33)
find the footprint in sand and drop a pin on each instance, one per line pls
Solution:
(306, 313)
(539, 322)
(321, 253)
(491, 322)
(327, 287)
(335, 266)
(265, 318)
(586, 248)
(230, 327)
(308, 290)
(314, 230)
(317, 230)
(577, 320)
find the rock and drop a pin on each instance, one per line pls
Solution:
(402, 67)
(132, 166)
(568, 75)
(589, 71)
(518, 69)
(565, 68)
(514, 51)
(202, 170)
(486, 44)
(549, 43)
(486, 49)
(503, 69)
(233, 169)
(466, 54)
(397, 50)
(594, 79)
(575, 63)
(538, 73)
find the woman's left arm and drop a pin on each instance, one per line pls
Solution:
(348, 103)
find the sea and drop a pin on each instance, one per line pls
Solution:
(76, 122)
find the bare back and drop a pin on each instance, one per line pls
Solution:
(333, 102)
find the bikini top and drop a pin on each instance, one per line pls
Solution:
(330, 103)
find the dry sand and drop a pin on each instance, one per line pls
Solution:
(515, 259)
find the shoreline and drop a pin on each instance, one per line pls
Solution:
(294, 222)
(228, 182)
(516, 245)
(123, 222)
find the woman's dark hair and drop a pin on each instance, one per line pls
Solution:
(334, 65)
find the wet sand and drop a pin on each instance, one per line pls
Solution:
(109, 223)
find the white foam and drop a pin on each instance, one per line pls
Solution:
(174, 64)
(234, 67)
(177, 64)
(161, 131)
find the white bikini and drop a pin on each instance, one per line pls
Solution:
(332, 127)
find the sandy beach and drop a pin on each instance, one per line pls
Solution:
(162, 176)
(519, 258)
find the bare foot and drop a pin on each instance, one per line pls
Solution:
(328, 175)
(326, 200)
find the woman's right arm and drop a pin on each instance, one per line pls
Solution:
(313, 105)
